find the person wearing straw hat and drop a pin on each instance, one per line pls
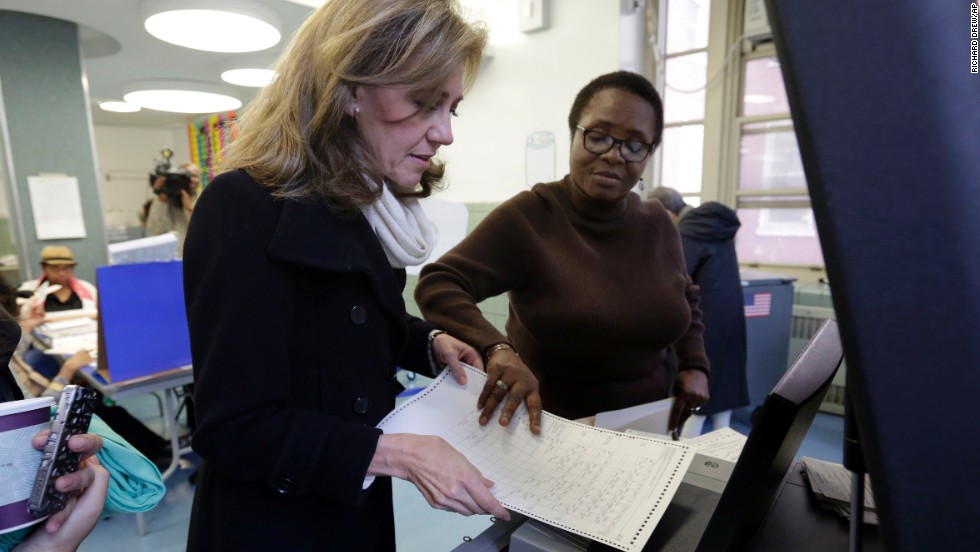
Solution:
(58, 289)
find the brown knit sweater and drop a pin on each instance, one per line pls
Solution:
(596, 296)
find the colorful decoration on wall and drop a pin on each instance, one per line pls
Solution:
(208, 137)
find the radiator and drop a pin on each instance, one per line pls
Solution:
(805, 322)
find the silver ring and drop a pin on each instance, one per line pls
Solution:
(694, 409)
(501, 385)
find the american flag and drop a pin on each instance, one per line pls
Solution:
(757, 305)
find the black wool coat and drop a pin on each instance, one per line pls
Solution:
(297, 325)
(708, 236)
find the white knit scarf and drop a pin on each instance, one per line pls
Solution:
(402, 228)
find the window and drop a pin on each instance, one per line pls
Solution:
(771, 196)
(685, 76)
(728, 135)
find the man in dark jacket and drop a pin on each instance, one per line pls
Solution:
(708, 235)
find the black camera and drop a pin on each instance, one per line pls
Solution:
(175, 180)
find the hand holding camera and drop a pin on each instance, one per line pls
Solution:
(172, 184)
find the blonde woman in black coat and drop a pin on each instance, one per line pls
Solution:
(293, 276)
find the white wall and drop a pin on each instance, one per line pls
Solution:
(126, 157)
(527, 86)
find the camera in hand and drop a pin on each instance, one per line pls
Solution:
(175, 179)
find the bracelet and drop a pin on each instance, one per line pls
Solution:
(432, 358)
(498, 347)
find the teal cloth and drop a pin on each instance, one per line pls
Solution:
(135, 484)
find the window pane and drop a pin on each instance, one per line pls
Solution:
(682, 149)
(687, 24)
(770, 161)
(779, 236)
(763, 92)
(682, 74)
(781, 124)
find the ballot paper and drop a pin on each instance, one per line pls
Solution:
(724, 443)
(649, 418)
(607, 486)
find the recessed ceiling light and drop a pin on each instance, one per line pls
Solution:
(180, 97)
(119, 107)
(249, 77)
(213, 25)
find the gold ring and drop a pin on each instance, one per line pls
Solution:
(501, 385)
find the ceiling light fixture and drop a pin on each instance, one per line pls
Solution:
(256, 78)
(119, 107)
(180, 96)
(213, 25)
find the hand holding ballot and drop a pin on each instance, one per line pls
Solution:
(446, 479)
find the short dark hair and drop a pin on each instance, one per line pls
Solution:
(671, 198)
(626, 81)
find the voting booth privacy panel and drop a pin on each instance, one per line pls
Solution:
(887, 115)
(142, 323)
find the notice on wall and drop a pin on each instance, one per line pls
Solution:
(57, 207)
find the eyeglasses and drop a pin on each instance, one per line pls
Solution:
(59, 268)
(599, 142)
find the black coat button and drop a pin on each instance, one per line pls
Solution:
(358, 315)
(284, 485)
(361, 405)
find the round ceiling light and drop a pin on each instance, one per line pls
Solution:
(180, 97)
(256, 78)
(213, 25)
(119, 107)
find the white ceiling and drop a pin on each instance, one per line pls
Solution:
(116, 50)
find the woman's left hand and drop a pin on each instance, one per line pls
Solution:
(690, 394)
(449, 351)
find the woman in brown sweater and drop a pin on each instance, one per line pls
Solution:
(596, 278)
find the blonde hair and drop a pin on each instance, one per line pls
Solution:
(296, 136)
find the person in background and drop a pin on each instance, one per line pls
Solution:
(595, 277)
(708, 235)
(294, 267)
(42, 375)
(166, 215)
(66, 529)
(58, 269)
(57, 290)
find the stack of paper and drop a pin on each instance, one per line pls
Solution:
(831, 484)
(66, 335)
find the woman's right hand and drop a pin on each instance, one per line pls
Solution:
(73, 363)
(66, 529)
(441, 473)
(519, 384)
